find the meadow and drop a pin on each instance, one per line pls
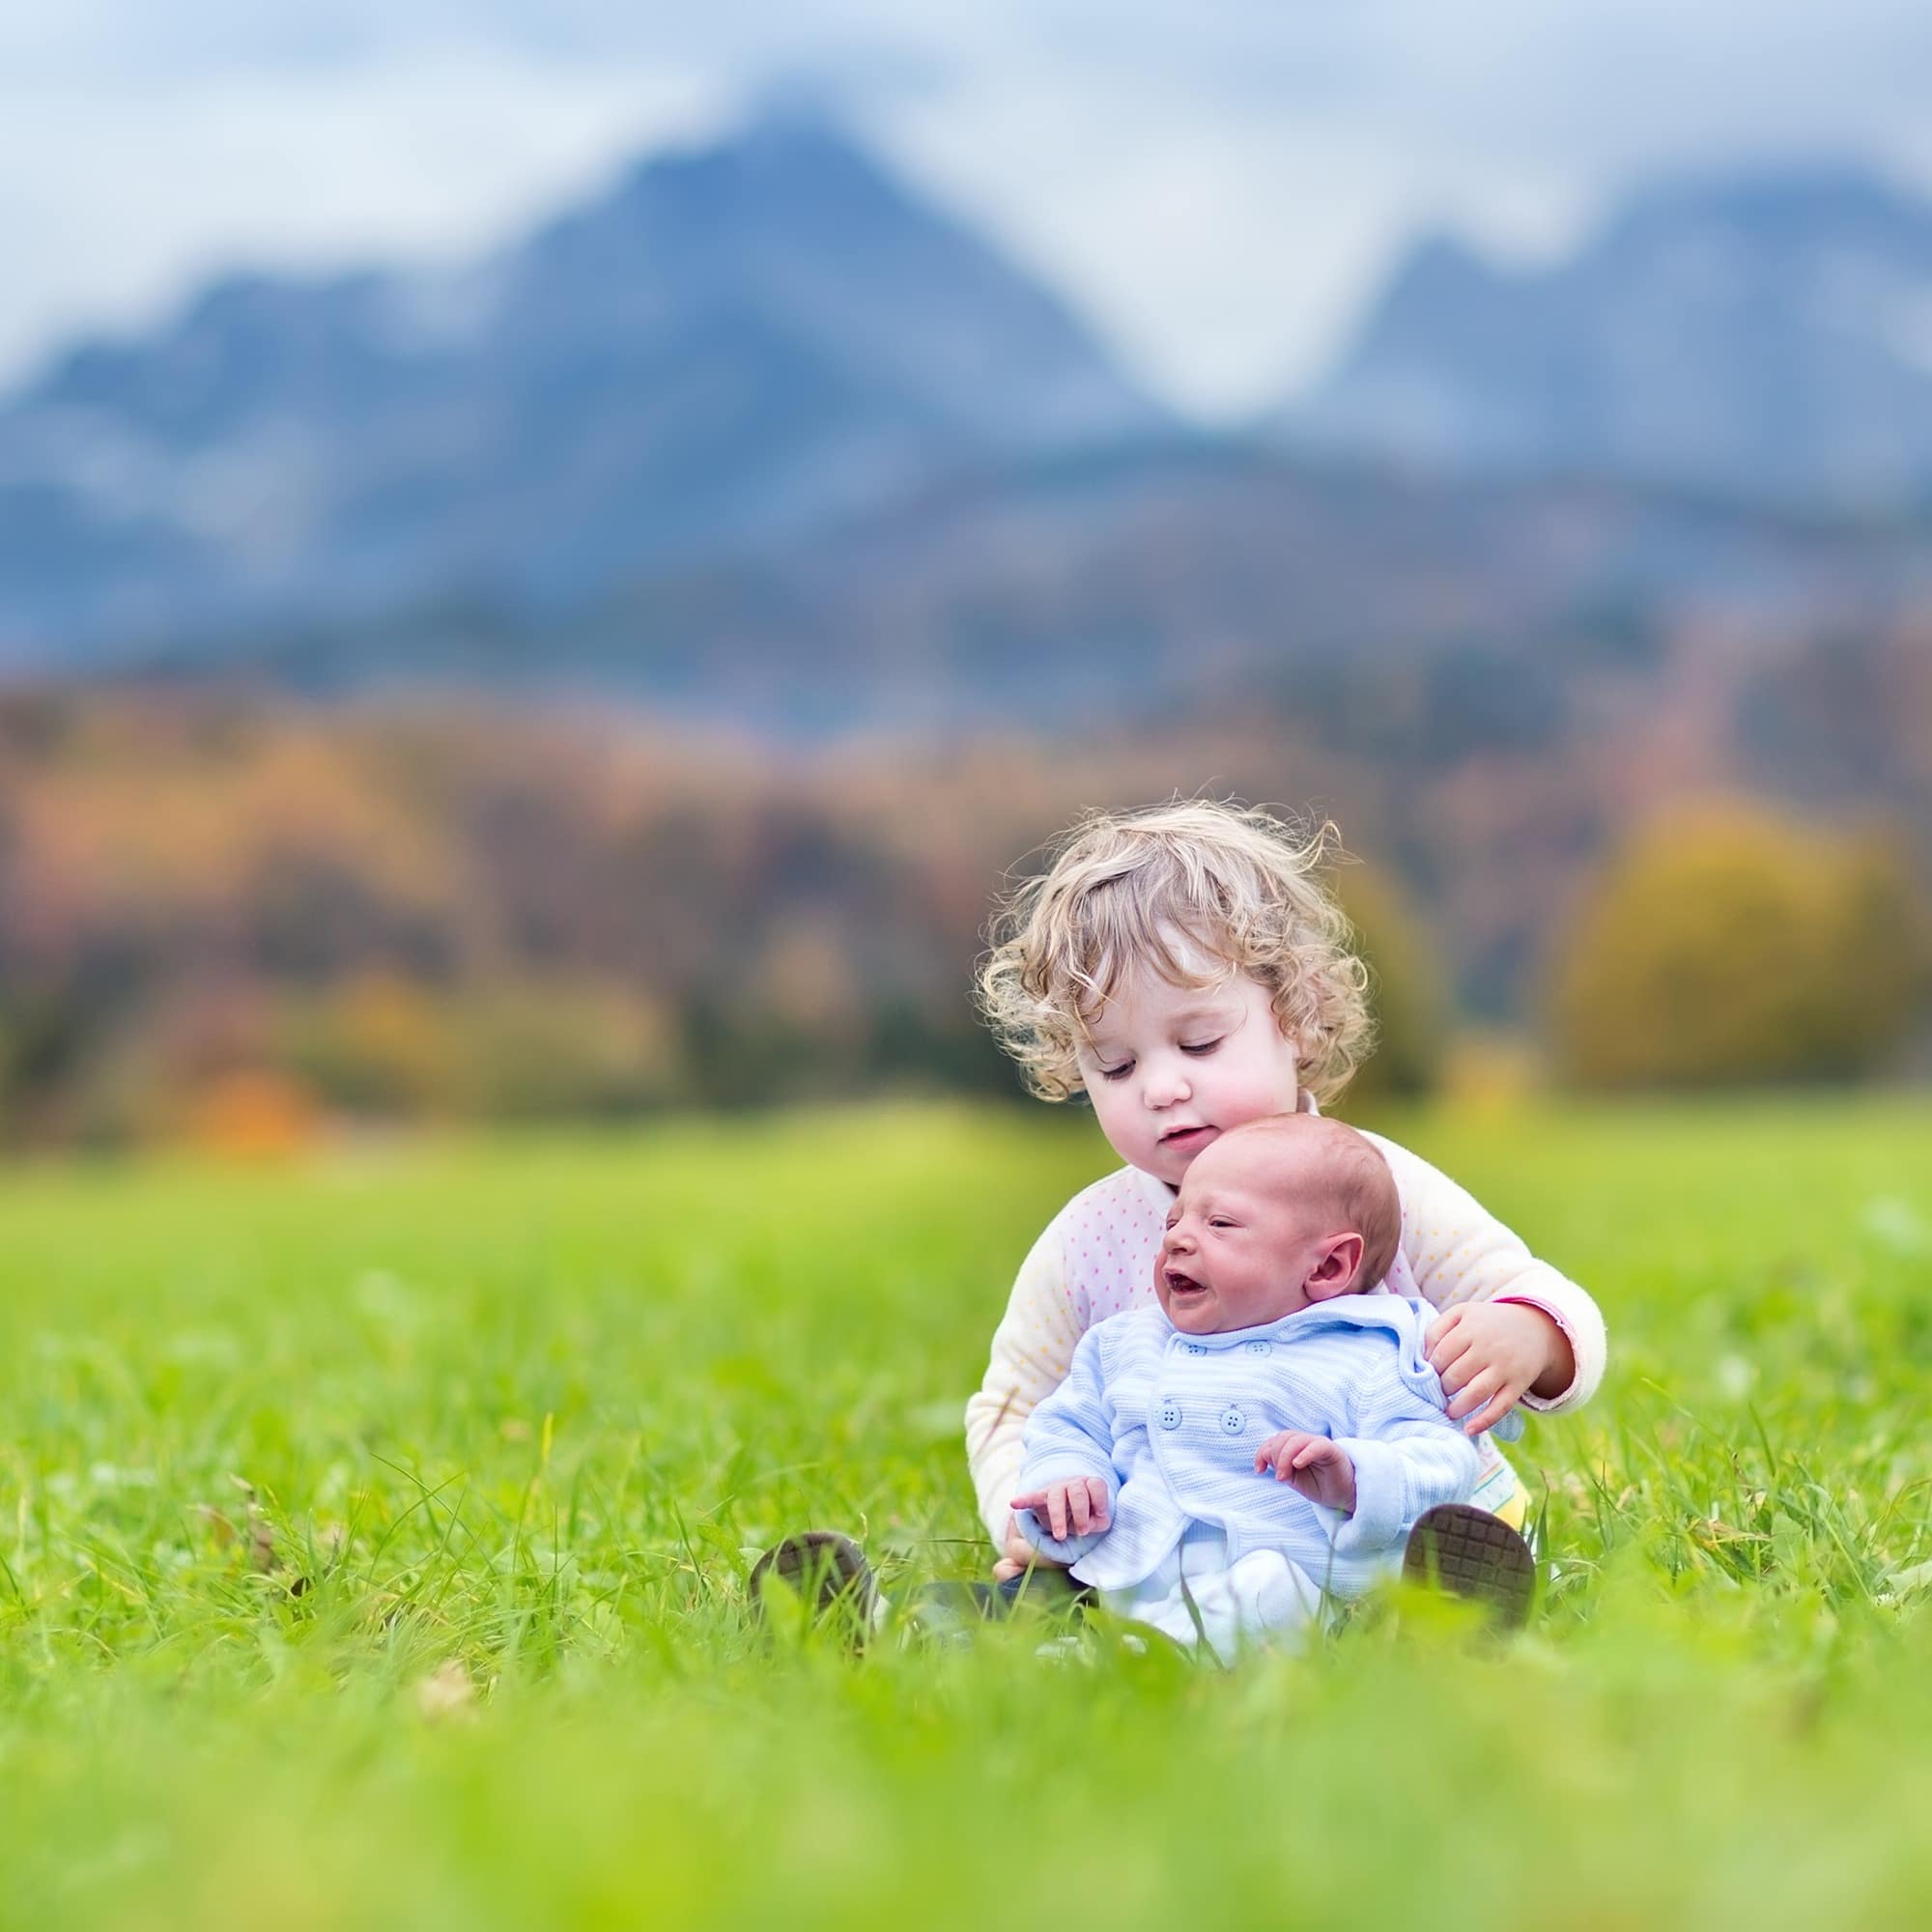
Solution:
(374, 1536)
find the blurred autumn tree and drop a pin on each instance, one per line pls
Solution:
(1735, 945)
(404, 914)
(1407, 992)
(241, 920)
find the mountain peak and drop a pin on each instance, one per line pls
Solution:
(780, 142)
(1755, 330)
(735, 343)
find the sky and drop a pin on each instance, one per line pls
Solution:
(1217, 189)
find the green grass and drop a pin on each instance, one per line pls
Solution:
(516, 1413)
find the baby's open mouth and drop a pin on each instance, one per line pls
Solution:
(1180, 1284)
(1184, 1136)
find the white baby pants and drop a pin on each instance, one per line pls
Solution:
(1197, 1596)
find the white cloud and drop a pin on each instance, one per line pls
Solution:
(137, 195)
(1219, 187)
(1225, 253)
(1225, 188)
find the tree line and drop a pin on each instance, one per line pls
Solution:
(225, 915)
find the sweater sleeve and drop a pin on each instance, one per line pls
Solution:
(1069, 1435)
(1405, 1469)
(1458, 1251)
(1408, 1456)
(1032, 1352)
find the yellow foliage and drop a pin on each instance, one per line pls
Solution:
(1405, 993)
(144, 821)
(556, 1050)
(1733, 945)
(378, 1043)
(1492, 1073)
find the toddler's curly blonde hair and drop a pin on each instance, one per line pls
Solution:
(1162, 886)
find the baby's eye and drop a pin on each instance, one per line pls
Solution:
(1119, 1072)
(1220, 1221)
(1200, 1048)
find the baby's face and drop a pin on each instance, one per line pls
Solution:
(1243, 1237)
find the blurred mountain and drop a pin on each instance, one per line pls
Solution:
(732, 346)
(1768, 335)
(1154, 581)
(757, 436)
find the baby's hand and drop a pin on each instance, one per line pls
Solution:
(1072, 1508)
(1491, 1354)
(1320, 1470)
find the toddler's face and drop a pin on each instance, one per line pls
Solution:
(1243, 1237)
(1170, 1069)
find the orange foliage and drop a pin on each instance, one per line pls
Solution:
(255, 1115)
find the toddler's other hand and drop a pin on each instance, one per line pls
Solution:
(1319, 1468)
(1075, 1507)
(1021, 1556)
(1491, 1354)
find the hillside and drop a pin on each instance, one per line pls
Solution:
(1144, 581)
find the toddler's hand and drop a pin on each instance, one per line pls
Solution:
(1020, 1555)
(1075, 1507)
(1319, 1468)
(1491, 1353)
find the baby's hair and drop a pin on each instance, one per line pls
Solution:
(1365, 1195)
(1235, 884)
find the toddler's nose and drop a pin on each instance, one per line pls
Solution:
(1165, 1087)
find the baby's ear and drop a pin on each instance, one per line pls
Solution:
(1338, 1271)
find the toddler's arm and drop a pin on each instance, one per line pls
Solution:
(1458, 1255)
(1033, 1351)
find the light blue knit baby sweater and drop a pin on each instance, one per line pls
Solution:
(1172, 1422)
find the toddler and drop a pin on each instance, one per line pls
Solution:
(1259, 1441)
(1187, 969)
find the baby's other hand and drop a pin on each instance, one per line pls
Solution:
(1322, 1470)
(1076, 1507)
(1020, 1557)
(1491, 1353)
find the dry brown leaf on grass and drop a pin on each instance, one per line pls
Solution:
(258, 1541)
(262, 1557)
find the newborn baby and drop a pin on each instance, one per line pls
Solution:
(1230, 1464)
